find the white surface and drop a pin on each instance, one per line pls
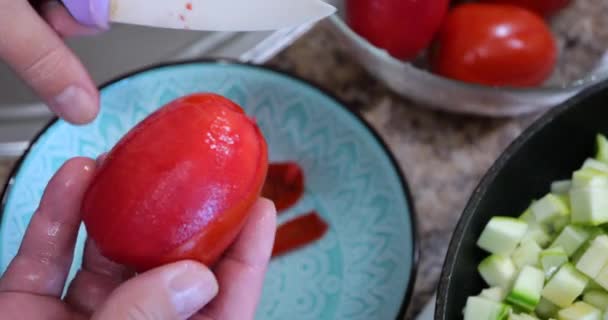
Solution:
(223, 15)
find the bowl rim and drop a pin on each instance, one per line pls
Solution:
(412, 215)
(455, 245)
(577, 85)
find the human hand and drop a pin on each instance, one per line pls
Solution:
(31, 43)
(31, 287)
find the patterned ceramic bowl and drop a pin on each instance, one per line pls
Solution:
(362, 269)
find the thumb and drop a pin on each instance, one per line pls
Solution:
(174, 291)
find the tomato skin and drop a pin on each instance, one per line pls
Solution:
(284, 184)
(545, 8)
(177, 186)
(496, 45)
(402, 27)
(299, 232)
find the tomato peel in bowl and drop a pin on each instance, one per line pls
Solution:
(179, 185)
(284, 184)
(299, 232)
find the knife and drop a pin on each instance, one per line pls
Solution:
(205, 15)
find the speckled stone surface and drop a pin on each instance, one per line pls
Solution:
(443, 155)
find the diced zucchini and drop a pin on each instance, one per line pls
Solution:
(594, 258)
(597, 298)
(579, 311)
(497, 270)
(483, 309)
(589, 178)
(502, 235)
(580, 251)
(559, 224)
(546, 309)
(549, 208)
(593, 286)
(589, 205)
(527, 288)
(560, 187)
(571, 238)
(522, 316)
(537, 234)
(565, 286)
(596, 165)
(526, 253)
(528, 217)
(529, 283)
(602, 277)
(551, 259)
(601, 146)
(593, 233)
(495, 294)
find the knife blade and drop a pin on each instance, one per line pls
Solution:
(206, 15)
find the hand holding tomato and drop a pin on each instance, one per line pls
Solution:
(32, 286)
(495, 45)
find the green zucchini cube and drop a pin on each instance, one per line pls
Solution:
(561, 187)
(580, 311)
(601, 146)
(526, 291)
(502, 235)
(483, 309)
(546, 309)
(527, 253)
(551, 259)
(565, 286)
(594, 258)
(497, 271)
(571, 238)
(597, 298)
(495, 294)
(549, 208)
(589, 205)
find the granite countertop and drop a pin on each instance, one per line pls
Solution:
(443, 155)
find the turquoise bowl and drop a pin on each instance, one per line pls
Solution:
(363, 268)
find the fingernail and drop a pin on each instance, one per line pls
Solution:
(75, 105)
(193, 286)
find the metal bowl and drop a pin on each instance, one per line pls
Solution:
(422, 86)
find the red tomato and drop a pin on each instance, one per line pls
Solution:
(498, 45)
(177, 186)
(284, 184)
(402, 27)
(542, 7)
